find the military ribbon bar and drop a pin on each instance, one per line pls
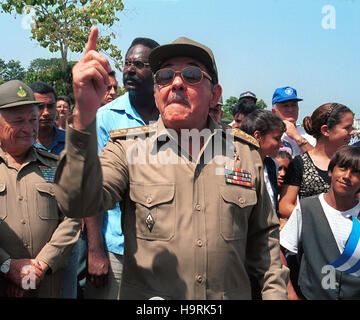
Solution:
(238, 176)
(48, 173)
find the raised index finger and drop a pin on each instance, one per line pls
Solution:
(91, 44)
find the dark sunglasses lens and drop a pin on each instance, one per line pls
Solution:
(164, 76)
(192, 75)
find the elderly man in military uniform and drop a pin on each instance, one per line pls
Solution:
(35, 238)
(198, 221)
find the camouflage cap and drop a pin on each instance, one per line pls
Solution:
(16, 93)
(187, 48)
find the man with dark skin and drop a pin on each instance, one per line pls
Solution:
(135, 108)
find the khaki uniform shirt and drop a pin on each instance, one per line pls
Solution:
(31, 226)
(189, 234)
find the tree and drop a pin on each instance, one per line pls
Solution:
(11, 70)
(40, 64)
(63, 25)
(228, 105)
(261, 104)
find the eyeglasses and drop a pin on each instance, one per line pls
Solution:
(190, 75)
(137, 64)
(108, 88)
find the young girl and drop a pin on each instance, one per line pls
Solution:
(319, 227)
(331, 125)
(267, 128)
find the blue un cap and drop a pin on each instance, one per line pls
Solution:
(284, 94)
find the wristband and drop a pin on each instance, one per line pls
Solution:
(303, 142)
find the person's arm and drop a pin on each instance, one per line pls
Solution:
(288, 200)
(98, 263)
(263, 248)
(290, 289)
(79, 189)
(294, 134)
(57, 250)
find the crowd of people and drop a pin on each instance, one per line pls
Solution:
(257, 218)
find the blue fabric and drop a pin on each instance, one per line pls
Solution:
(57, 144)
(118, 114)
(350, 251)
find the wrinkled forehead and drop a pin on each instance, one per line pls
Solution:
(19, 111)
(178, 63)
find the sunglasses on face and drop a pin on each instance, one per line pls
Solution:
(190, 75)
(137, 64)
(108, 88)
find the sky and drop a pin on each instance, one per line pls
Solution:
(259, 45)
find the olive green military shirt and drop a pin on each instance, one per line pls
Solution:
(190, 231)
(31, 226)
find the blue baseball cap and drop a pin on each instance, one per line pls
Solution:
(284, 94)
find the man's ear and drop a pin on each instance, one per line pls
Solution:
(216, 94)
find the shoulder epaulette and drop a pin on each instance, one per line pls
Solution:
(47, 154)
(123, 133)
(241, 135)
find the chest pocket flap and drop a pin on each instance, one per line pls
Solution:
(46, 203)
(236, 204)
(152, 195)
(155, 210)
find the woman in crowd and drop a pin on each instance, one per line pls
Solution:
(307, 174)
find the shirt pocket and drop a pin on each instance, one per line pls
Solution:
(155, 212)
(3, 202)
(236, 204)
(46, 204)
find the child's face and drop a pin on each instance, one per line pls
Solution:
(283, 164)
(345, 181)
(271, 143)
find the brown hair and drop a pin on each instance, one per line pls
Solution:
(346, 157)
(329, 114)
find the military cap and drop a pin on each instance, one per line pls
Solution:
(16, 93)
(184, 47)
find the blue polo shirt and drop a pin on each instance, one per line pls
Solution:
(118, 114)
(57, 144)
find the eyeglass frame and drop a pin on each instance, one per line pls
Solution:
(176, 72)
(128, 64)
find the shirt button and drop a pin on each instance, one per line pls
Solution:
(20, 198)
(241, 200)
(198, 207)
(149, 200)
(199, 279)
(199, 243)
(23, 221)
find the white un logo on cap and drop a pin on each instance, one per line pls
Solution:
(289, 91)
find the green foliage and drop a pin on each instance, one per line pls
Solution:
(39, 64)
(261, 104)
(11, 70)
(228, 105)
(62, 25)
(61, 81)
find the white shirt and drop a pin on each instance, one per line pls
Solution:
(288, 142)
(340, 225)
